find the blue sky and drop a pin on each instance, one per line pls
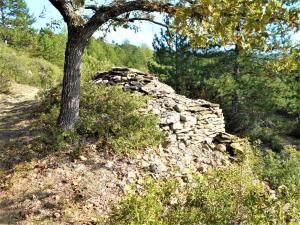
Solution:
(144, 36)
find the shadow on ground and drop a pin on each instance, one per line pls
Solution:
(18, 110)
(17, 129)
(15, 125)
(12, 214)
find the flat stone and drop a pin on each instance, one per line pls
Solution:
(165, 128)
(145, 164)
(237, 147)
(80, 167)
(183, 117)
(82, 158)
(131, 174)
(183, 131)
(170, 117)
(174, 150)
(191, 120)
(179, 108)
(117, 78)
(177, 126)
(194, 108)
(221, 148)
(158, 167)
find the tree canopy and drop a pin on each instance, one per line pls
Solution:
(243, 23)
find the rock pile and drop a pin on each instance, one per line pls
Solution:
(195, 129)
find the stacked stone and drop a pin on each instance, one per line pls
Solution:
(194, 128)
(188, 121)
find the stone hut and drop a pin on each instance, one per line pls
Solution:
(195, 129)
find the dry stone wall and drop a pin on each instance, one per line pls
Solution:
(195, 129)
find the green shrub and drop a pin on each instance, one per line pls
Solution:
(282, 168)
(50, 98)
(24, 69)
(4, 82)
(109, 116)
(270, 137)
(21, 38)
(238, 194)
(277, 143)
(53, 138)
(91, 65)
(112, 115)
(150, 207)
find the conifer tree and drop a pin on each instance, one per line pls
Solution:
(172, 53)
(15, 13)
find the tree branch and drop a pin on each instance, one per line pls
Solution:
(63, 7)
(92, 7)
(104, 14)
(68, 12)
(131, 20)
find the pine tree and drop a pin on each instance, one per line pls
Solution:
(173, 56)
(15, 13)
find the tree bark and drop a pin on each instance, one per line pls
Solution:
(69, 111)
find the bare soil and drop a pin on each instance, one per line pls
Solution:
(51, 188)
(16, 112)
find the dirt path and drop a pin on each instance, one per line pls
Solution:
(16, 111)
(53, 187)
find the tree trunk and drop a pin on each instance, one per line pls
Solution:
(69, 110)
(235, 98)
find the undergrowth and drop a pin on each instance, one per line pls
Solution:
(17, 66)
(260, 190)
(109, 117)
(5, 82)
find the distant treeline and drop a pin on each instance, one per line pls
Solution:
(99, 55)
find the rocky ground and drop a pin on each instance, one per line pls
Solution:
(57, 188)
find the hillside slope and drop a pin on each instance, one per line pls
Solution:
(61, 188)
